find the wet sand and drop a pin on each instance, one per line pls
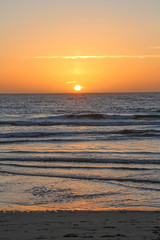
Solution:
(116, 225)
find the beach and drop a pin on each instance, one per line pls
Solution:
(80, 225)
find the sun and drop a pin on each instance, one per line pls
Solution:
(77, 88)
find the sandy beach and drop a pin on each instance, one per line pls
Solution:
(80, 225)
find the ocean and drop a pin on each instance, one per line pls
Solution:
(80, 151)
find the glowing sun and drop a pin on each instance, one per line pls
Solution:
(77, 88)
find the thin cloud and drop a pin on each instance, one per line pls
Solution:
(96, 57)
(71, 82)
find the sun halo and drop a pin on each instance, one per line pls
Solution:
(77, 88)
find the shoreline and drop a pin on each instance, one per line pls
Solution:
(80, 211)
(80, 224)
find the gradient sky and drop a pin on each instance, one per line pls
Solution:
(103, 45)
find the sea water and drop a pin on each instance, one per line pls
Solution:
(80, 151)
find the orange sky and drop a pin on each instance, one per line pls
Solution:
(105, 46)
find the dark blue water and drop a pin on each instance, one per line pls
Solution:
(80, 151)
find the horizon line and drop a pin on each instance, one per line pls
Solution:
(79, 92)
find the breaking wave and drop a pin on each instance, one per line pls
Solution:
(90, 119)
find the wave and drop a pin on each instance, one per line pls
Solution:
(147, 116)
(82, 152)
(88, 119)
(136, 133)
(49, 140)
(78, 167)
(45, 191)
(82, 160)
(140, 133)
(88, 116)
(89, 178)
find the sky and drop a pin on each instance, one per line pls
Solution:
(49, 46)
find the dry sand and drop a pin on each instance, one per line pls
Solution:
(116, 225)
